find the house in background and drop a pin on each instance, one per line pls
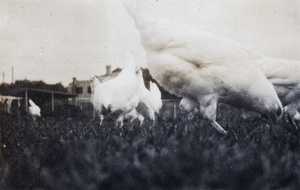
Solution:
(82, 88)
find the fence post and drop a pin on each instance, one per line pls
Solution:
(26, 101)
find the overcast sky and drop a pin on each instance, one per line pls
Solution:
(55, 40)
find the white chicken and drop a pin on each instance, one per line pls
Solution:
(34, 110)
(94, 83)
(149, 100)
(284, 75)
(156, 95)
(116, 97)
(204, 67)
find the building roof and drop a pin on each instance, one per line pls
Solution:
(21, 93)
(102, 78)
(109, 76)
(2, 98)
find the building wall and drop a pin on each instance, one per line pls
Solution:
(6, 103)
(81, 88)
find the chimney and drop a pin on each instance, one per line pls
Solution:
(108, 69)
(74, 85)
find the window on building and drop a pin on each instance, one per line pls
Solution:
(78, 90)
(89, 90)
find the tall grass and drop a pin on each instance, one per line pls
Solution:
(65, 153)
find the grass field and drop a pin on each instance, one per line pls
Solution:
(65, 153)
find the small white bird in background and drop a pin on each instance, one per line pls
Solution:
(202, 66)
(34, 110)
(149, 100)
(116, 97)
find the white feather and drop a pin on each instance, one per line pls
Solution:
(94, 82)
(117, 95)
(149, 101)
(205, 67)
(284, 75)
(156, 94)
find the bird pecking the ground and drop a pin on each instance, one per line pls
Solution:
(202, 66)
(116, 97)
(149, 100)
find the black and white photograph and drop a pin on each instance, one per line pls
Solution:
(149, 94)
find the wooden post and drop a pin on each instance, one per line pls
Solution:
(26, 101)
(52, 100)
(18, 110)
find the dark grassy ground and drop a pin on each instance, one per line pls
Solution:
(57, 153)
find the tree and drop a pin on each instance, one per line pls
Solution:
(7, 89)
